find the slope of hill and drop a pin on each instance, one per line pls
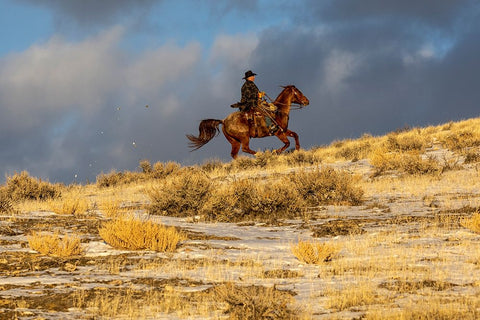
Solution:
(376, 228)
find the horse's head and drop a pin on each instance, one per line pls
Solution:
(297, 95)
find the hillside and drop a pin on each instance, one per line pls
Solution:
(375, 228)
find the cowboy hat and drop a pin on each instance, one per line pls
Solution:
(248, 74)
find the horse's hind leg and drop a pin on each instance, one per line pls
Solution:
(246, 145)
(234, 142)
(294, 135)
(235, 148)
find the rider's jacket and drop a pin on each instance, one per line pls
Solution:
(249, 95)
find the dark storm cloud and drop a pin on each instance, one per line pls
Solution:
(438, 13)
(93, 12)
(374, 72)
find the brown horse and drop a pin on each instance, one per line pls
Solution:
(237, 130)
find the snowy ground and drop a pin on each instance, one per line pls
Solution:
(402, 248)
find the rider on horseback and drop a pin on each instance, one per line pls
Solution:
(251, 99)
(250, 92)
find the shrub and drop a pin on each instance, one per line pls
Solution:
(265, 159)
(243, 163)
(407, 162)
(471, 156)
(408, 141)
(301, 157)
(134, 234)
(23, 187)
(327, 186)
(212, 165)
(255, 302)
(461, 139)
(54, 245)
(382, 160)
(5, 202)
(115, 178)
(146, 166)
(182, 194)
(353, 150)
(249, 199)
(314, 252)
(412, 163)
(161, 170)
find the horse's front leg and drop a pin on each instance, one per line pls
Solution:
(283, 137)
(293, 134)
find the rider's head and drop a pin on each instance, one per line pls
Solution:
(249, 75)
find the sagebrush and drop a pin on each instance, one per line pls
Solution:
(135, 234)
(55, 245)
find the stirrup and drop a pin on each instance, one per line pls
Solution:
(273, 129)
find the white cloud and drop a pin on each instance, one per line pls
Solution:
(338, 66)
(152, 69)
(60, 75)
(233, 49)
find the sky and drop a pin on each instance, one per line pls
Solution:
(87, 87)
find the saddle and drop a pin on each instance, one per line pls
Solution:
(261, 123)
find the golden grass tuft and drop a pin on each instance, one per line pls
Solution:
(134, 234)
(111, 207)
(69, 205)
(312, 252)
(472, 223)
(55, 245)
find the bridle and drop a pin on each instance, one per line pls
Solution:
(293, 105)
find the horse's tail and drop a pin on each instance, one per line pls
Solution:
(208, 129)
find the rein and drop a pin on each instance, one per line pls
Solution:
(293, 106)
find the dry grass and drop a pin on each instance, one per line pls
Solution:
(134, 234)
(255, 302)
(6, 203)
(55, 245)
(111, 207)
(72, 204)
(153, 303)
(409, 162)
(472, 223)
(466, 308)
(355, 295)
(312, 252)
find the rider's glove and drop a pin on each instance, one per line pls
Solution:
(261, 94)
